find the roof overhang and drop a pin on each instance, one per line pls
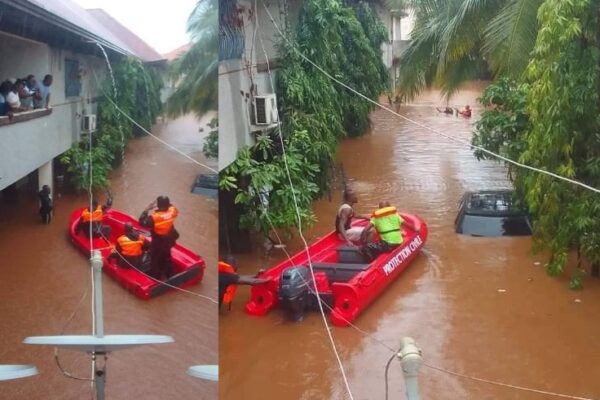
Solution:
(35, 11)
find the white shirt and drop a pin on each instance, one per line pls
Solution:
(27, 101)
(13, 100)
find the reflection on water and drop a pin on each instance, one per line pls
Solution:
(448, 299)
(43, 276)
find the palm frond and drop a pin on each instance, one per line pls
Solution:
(511, 35)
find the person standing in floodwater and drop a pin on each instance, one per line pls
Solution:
(46, 206)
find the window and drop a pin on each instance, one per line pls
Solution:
(72, 78)
(396, 28)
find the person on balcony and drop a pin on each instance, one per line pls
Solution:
(13, 100)
(5, 88)
(42, 97)
(26, 94)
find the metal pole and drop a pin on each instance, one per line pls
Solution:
(99, 376)
(99, 316)
(411, 360)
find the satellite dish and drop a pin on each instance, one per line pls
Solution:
(98, 344)
(104, 344)
(206, 372)
(8, 372)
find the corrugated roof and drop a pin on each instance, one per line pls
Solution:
(140, 48)
(175, 54)
(78, 16)
(100, 24)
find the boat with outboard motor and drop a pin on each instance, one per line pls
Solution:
(188, 266)
(344, 279)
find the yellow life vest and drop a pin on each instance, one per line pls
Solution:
(388, 224)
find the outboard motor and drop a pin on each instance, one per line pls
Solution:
(294, 291)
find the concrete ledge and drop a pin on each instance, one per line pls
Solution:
(25, 116)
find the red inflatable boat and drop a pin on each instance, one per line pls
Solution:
(346, 282)
(188, 266)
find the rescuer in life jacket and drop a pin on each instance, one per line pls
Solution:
(343, 219)
(229, 279)
(130, 248)
(164, 235)
(388, 224)
(93, 218)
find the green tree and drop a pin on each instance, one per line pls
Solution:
(345, 40)
(138, 90)
(549, 120)
(454, 41)
(196, 70)
(563, 109)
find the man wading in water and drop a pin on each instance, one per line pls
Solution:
(343, 219)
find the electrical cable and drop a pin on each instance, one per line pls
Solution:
(162, 282)
(387, 368)
(148, 132)
(496, 383)
(518, 164)
(299, 219)
(482, 149)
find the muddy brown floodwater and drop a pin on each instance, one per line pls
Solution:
(480, 306)
(43, 278)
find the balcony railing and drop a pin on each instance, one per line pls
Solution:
(24, 116)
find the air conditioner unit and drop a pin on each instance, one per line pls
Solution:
(265, 110)
(89, 123)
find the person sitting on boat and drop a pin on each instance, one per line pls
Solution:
(130, 248)
(343, 219)
(388, 224)
(229, 279)
(161, 222)
(92, 218)
(465, 112)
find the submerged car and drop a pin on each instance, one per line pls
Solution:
(491, 213)
(207, 185)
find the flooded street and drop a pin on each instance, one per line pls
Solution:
(483, 307)
(43, 277)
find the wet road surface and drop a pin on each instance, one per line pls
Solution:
(43, 277)
(484, 307)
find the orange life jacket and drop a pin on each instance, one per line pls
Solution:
(163, 220)
(96, 216)
(230, 290)
(131, 248)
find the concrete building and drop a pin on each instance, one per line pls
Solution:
(55, 37)
(247, 39)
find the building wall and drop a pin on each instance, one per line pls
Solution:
(28, 145)
(241, 78)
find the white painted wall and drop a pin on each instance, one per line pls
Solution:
(237, 77)
(28, 145)
(234, 125)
